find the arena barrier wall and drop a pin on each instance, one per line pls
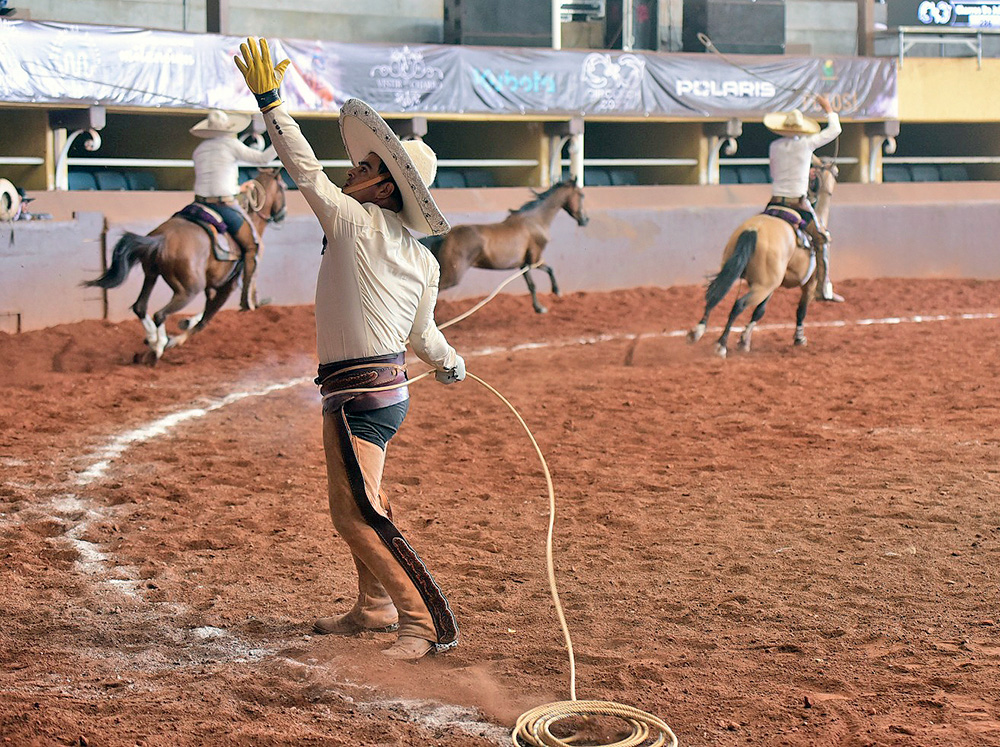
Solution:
(637, 236)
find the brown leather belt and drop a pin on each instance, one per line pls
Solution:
(335, 381)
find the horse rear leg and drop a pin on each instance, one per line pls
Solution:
(755, 297)
(758, 312)
(180, 299)
(531, 288)
(141, 307)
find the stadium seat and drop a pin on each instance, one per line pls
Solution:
(140, 180)
(623, 177)
(896, 172)
(925, 172)
(728, 175)
(954, 172)
(449, 179)
(110, 180)
(478, 178)
(82, 180)
(754, 174)
(596, 178)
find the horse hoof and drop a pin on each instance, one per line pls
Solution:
(800, 342)
(541, 310)
(720, 351)
(744, 347)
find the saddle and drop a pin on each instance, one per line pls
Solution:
(792, 217)
(212, 222)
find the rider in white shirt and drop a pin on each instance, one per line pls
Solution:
(791, 157)
(217, 182)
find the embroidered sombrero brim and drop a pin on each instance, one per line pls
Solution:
(791, 123)
(221, 123)
(10, 200)
(412, 164)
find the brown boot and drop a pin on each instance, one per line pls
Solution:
(373, 612)
(409, 648)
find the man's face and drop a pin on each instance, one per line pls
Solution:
(366, 170)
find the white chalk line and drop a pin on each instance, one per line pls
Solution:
(96, 563)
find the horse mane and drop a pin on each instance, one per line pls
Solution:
(540, 197)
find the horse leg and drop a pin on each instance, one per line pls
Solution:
(754, 296)
(213, 303)
(180, 299)
(531, 288)
(141, 308)
(808, 290)
(552, 278)
(758, 312)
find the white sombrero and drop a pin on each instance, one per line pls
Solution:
(219, 122)
(412, 164)
(10, 200)
(791, 123)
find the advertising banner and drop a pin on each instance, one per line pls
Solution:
(66, 64)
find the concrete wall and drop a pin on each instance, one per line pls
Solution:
(637, 236)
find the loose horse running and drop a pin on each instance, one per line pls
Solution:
(181, 252)
(766, 253)
(517, 241)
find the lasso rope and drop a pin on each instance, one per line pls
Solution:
(533, 728)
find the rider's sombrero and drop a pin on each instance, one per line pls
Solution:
(10, 200)
(412, 164)
(791, 123)
(219, 122)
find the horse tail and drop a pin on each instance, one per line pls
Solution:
(733, 268)
(434, 244)
(130, 249)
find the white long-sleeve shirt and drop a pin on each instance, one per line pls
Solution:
(217, 164)
(377, 285)
(791, 157)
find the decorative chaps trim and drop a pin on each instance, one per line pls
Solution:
(357, 375)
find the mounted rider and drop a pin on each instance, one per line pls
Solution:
(791, 157)
(216, 183)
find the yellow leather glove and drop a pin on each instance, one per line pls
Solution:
(262, 77)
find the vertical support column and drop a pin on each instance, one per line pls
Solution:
(79, 122)
(576, 156)
(879, 134)
(558, 133)
(866, 28)
(557, 24)
(720, 136)
(217, 16)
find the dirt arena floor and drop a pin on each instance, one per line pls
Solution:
(795, 546)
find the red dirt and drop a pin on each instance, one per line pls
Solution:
(795, 546)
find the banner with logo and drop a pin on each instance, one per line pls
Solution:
(64, 64)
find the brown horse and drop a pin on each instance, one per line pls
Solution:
(765, 251)
(181, 252)
(517, 241)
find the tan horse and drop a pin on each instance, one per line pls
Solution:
(766, 253)
(516, 241)
(181, 252)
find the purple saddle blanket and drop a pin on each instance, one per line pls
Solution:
(788, 215)
(202, 214)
